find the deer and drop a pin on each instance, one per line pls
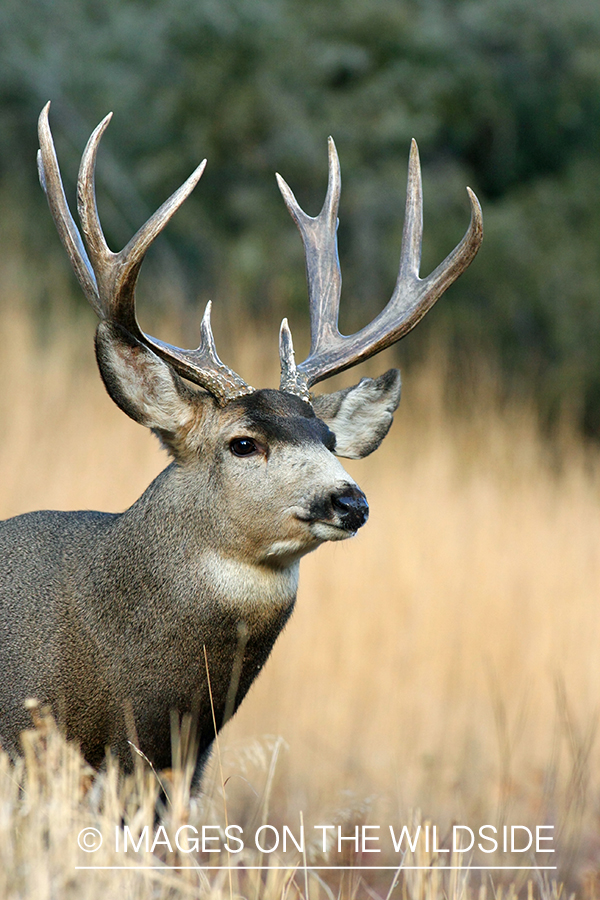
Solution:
(118, 620)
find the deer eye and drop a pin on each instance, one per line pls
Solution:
(244, 447)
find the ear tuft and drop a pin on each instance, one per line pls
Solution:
(360, 416)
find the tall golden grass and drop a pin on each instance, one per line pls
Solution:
(442, 666)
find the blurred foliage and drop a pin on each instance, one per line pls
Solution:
(503, 95)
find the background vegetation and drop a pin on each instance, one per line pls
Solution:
(503, 95)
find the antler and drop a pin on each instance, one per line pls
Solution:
(108, 279)
(330, 351)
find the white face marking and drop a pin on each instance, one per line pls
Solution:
(285, 548)
(323, 531)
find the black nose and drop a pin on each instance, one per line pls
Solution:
(351, 507)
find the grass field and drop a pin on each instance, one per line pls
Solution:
(441, 667)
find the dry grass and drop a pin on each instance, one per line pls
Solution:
(445, 661)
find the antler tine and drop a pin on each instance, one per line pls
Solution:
(454, 265)
(68, 231)
(203, 366)
(332, 352)
(319, 236)
(135, 250)
(109, 279)
(290, 380)
(412, 233)
(99, 252)
(118, 272)
(411, 305)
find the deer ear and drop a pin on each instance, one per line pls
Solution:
(360, 416)
(145, 387)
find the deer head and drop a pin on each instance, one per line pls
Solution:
(245, 440)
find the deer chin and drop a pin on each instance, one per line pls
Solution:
(329, 531)
(287, 551)
(291, 549)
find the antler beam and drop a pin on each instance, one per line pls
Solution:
(330, 351)
(108, 279)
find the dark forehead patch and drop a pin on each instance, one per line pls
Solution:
(283, 417)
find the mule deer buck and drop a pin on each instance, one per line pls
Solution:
(116, 620)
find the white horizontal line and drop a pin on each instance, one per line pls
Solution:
(326, 868)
